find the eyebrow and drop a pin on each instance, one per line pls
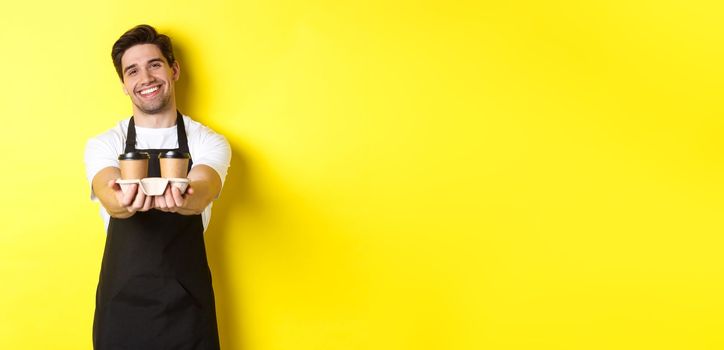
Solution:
(157, 59)
(129, 67)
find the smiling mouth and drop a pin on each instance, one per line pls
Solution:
(150, 92)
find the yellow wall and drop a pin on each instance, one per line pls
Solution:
(406, 175)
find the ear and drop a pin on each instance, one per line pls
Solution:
(176, 70)
(125, 91)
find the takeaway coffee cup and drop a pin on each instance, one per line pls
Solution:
(174, 164)
(134, 165)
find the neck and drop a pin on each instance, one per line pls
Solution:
(162, 119)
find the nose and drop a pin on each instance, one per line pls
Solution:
(146, 76)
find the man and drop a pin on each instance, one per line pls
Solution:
(154, 290)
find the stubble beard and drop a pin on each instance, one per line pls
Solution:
(154, 107)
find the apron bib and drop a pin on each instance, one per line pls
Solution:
(154, 290)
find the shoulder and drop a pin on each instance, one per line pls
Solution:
(208, 147)
(102, 150)
(113, 138)
(200, 133)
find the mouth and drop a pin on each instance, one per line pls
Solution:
(150, 92)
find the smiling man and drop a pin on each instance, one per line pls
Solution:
(154, 290)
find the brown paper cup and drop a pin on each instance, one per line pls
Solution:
(174, 164)
(174, 167)
(134, 169)
(134, 165)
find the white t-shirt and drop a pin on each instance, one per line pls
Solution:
(206, 147)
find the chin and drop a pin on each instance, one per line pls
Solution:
(153, 109)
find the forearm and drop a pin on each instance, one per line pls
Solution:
(106, 195)
(206, 186)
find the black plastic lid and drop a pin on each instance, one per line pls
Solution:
(175, 155)
(134, 156)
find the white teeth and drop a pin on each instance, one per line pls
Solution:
(148, 91)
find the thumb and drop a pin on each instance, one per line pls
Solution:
(113, 185)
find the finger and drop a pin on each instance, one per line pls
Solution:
(116, 190)
(113, 185)
(147, 203)
(168, 196)
(189, 190)
(160, 203)
(128, 196)
(177, 197)
(139, 201)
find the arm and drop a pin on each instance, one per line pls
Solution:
(212, 157)
(116, 203)
(204, 186)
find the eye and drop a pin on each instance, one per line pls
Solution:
(156, 65)
(131, 72)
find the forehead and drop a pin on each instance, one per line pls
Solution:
(141, 53)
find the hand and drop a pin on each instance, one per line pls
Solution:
(133, 200)
(173, 201)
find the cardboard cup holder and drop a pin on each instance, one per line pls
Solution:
(154, 186)
(174, 168)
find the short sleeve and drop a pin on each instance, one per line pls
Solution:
(98, 156)
(211, 149)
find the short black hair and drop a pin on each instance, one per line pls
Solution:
(141, 34)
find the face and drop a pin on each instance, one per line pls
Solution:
(148, 79)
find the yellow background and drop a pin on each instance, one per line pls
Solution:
(406, 175)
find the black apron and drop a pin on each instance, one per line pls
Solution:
(154, 290)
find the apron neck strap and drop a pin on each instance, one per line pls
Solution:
(180, 132)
